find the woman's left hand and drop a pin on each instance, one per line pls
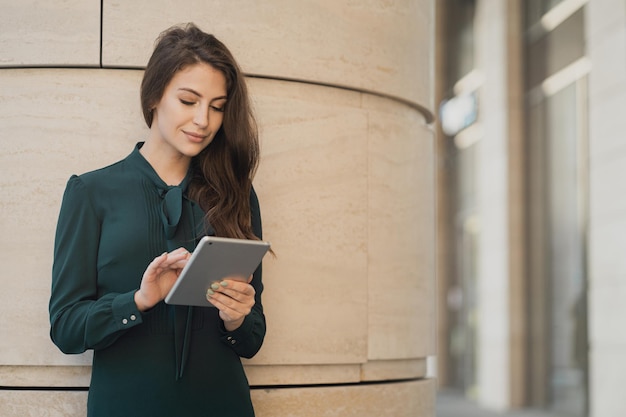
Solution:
(234, 299)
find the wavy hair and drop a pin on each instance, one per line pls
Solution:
(223, 171)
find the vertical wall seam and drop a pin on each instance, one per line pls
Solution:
(368, 218)
(101, 29)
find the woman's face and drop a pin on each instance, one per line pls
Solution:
(190, 111)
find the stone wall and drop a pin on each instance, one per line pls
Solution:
(343, 95)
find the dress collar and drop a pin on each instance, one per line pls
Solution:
(173, 196)
(145, 168)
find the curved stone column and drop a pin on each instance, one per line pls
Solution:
(343, 94)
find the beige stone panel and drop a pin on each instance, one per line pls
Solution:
(401, 232)
(43, 403)
(45, 376)
(272, 375)
(258, 375)
(408, 399)
(53, 123)
(369, 45)
(313, 191)
(49, 33)
(335, 374)
(393, 369)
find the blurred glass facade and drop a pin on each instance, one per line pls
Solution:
(556, 131)
(553, 371)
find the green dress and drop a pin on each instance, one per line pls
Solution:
(172, 360)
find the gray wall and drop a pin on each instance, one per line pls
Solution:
(606, 46)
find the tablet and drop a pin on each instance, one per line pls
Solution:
(214, 259)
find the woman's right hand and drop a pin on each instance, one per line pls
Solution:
(159, 278)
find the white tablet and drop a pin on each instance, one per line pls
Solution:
(214, 259)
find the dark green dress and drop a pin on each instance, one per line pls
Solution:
(172, 360)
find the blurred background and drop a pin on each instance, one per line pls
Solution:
(531, 162)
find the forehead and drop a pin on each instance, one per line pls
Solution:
(202, 78)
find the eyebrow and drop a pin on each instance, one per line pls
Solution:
(191, 90)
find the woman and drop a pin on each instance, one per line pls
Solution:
(125, 232)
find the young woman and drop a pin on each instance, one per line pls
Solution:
(125, 232)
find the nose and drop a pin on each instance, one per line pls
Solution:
(201, 117)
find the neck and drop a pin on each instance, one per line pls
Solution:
(172, 169)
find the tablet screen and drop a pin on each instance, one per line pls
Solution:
(214, 259)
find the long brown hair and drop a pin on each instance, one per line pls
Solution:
(223, 171)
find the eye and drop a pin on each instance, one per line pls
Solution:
(187, 103)
(218, 109)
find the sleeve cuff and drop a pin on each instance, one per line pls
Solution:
(238, 336)
(125, 311)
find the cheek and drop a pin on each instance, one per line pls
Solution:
(217, 121)
(168, 116)
(162, 121)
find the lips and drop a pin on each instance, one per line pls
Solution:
(195, 137)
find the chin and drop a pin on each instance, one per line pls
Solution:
(194, 149)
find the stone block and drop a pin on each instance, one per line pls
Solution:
(312, 185)
(371, 46)
(49, 33)
(43, 403)
(408, 399)
(401, 229)
(53, 123)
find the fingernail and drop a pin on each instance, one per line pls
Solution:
(215, 286)
(209, 292)
(224, 284)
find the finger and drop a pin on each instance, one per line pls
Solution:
(178, 264)
(180, 253)
(245, 295)
(176, 258)
(227, 300)
(236, 283)
(229, 307)
(156, 263)
(217, 300)
(180, 250)
(236, 300)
